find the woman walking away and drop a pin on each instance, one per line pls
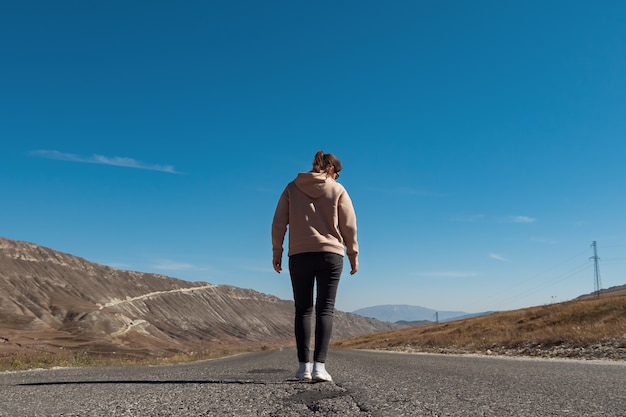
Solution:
(322, 226)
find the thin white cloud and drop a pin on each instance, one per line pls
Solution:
(104, 160)
(521, 219)
(446, 274)
(497, 257)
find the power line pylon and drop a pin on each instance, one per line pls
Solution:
(597, 286)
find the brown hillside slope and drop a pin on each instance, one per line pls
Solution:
(51, 301)
(591, 328)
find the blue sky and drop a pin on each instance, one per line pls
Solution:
(483, 142)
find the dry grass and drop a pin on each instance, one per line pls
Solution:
(23, 360)
(575, 324)
(46, 358)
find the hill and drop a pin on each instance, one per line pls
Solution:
(591, 327)
(52, 301)
(407, 313)
(617, 290)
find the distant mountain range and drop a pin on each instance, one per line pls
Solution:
(407, 313)
(52, 300)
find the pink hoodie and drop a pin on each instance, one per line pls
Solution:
(320, 216)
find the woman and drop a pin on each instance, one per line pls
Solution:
(322, 225)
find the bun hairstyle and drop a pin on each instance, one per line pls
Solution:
(324, 161)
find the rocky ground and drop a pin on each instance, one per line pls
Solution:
(610, 349)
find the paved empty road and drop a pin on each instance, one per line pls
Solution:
(366, 384)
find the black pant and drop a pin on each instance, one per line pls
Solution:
(305, 270)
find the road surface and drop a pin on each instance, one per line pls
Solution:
(365, 384)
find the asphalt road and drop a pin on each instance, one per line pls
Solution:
(366, 384)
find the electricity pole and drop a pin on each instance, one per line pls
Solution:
(597, 286)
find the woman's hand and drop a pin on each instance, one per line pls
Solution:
(277, 264)
(354, 265)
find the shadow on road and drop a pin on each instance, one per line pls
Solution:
(172, 381)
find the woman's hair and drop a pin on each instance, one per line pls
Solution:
(323, 161)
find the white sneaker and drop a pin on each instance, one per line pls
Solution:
(320, 374)
(304, 371)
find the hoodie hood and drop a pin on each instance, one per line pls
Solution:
(313, 184)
